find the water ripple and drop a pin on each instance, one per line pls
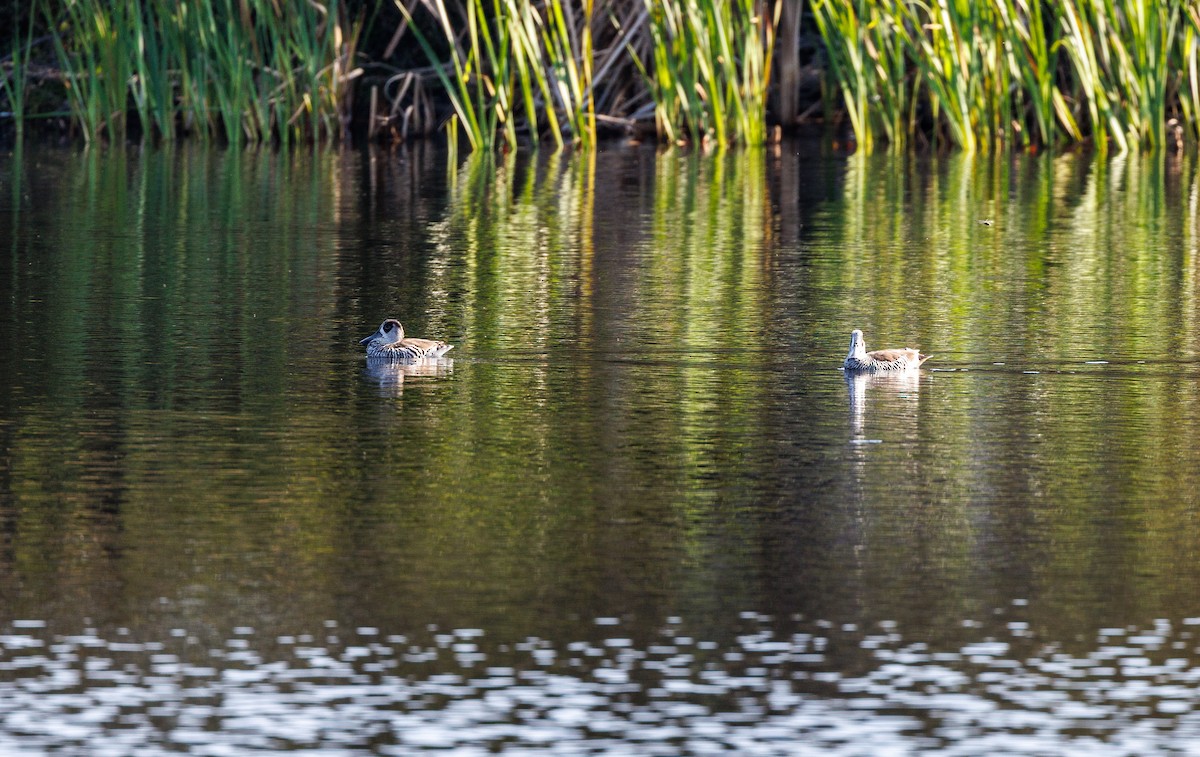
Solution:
(779, 688)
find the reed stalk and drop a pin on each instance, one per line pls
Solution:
(1140, 37)
(1032, 59)
(710, 68)
(87, 57)
(972, 74)
(1023, 72)
(867, 43)
(525, 69)
(568, 63)
(14, 80)
(1188, 88)
(842, 25)
(480, 102)
(249, 70)
(1084, 43)
(522, 22)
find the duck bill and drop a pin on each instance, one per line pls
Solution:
(372, 336)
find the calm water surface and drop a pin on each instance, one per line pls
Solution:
(641, 510)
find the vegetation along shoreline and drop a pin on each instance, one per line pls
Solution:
(970, 75)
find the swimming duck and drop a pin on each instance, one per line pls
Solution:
(880, 360)
(389, 342)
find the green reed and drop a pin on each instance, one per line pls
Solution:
(1121, 61)
(710, 69)
(958, 54)
(976, 75)
(1188, 87)
(93, 70)
(568, 63)
(1032, 61)
(479, 104)
(1019, 72)
(529, 68)
(1130, 62)
(248, 70)
(14, 80)
(865, 43)
(521, 69)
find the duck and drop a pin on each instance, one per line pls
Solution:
(861, 361)
(389, 342)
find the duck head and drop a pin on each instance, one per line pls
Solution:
(389, 331)
(858, 347)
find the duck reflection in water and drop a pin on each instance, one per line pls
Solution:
(392, 357)
(391, 374)
(894, 395)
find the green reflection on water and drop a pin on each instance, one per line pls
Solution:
(644, 414)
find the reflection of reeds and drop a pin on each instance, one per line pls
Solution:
(516, 230)
(1048, 269)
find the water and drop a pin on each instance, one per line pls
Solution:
(640, 510)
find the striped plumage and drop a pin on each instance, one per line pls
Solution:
(389, 342)
(861, 361)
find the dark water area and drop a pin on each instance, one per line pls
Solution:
(639, 509)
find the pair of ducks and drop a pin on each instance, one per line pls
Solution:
(389, 342)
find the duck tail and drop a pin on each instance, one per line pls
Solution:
(921, 359)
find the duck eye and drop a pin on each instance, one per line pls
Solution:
(387, 328)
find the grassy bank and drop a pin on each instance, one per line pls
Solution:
(974, 75)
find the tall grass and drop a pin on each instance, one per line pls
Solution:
(522, 70)
(1022, 26)
(567, 40)
(986, 73)
(979, 75)
(1187, 89)
(1122, 55)
(528, 69)
(865, 43)
(14, 77)
(478, 107)
(711, 68)
(247, 70)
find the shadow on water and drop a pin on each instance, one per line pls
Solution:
(642, 479)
